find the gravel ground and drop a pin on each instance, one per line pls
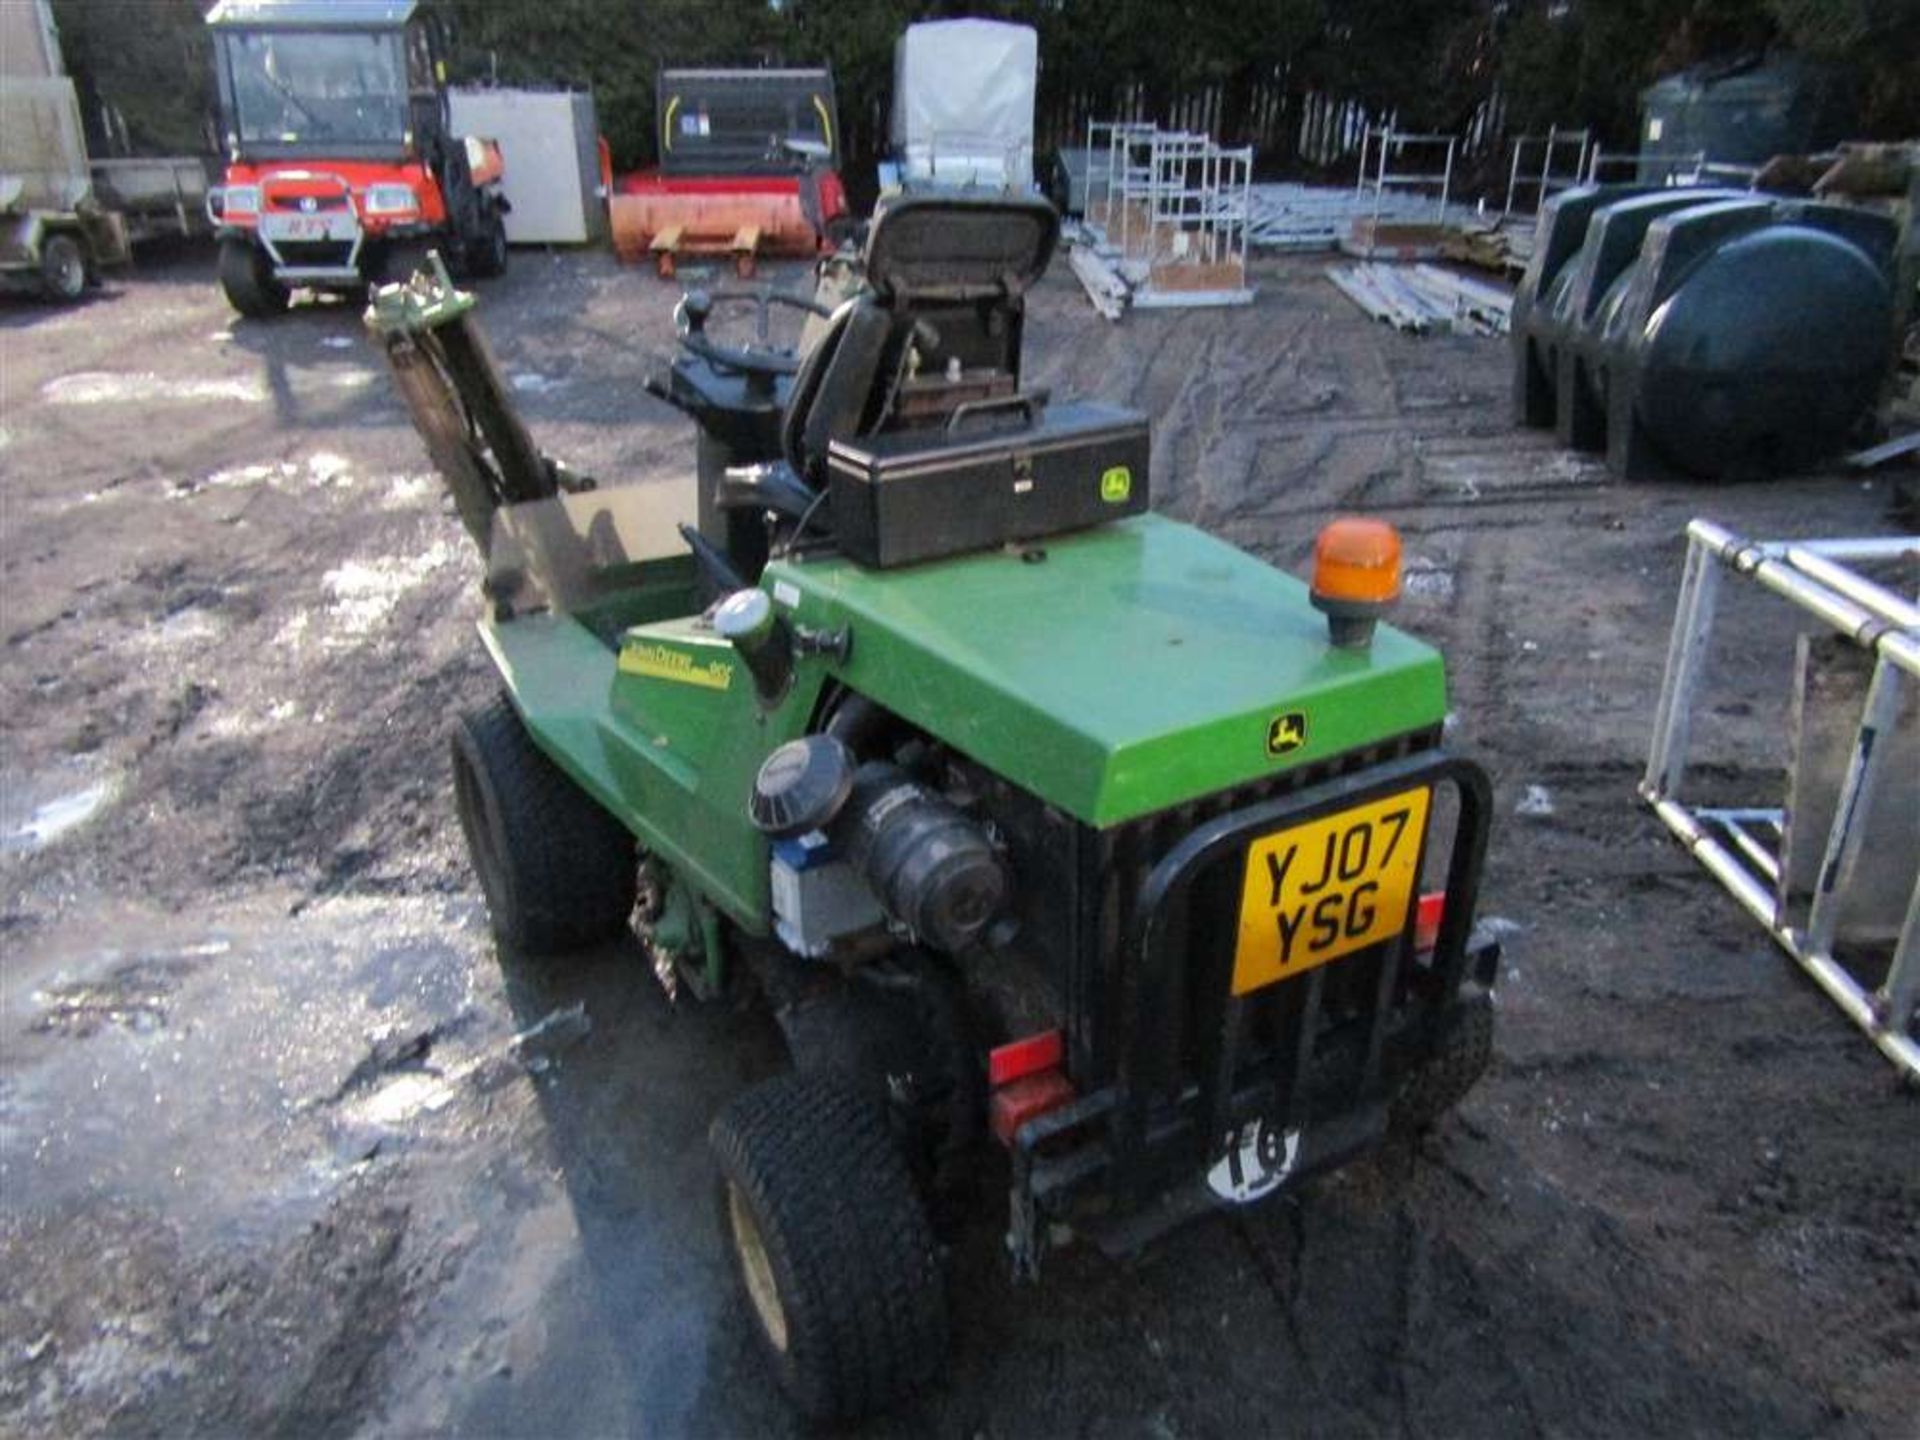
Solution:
(272, 1159)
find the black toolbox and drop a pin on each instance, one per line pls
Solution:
(1000, 471)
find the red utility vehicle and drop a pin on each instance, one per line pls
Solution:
(342, 168)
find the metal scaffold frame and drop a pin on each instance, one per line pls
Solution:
(1172, 208)
(1742, 847)
(1383, 146)
(1120, 136)
(1549, 179)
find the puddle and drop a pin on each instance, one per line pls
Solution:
(413, 1092)
(49, 819)
(403, 492)
(184, 628)
(134, 994)
(236, 477)
(101, 387)
(322, 470)
(327, 468)
(1477, 475)
(365, 594)
(534, 383)
(293, 630)
(402, 1098)
(241, 724)
(98, 387)
(1538, 801)
(1424, 578)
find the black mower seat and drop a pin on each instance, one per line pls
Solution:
(837, 387)
(951, 268)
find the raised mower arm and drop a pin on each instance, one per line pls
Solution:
(446, 371)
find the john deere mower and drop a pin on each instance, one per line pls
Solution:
(1068, 844)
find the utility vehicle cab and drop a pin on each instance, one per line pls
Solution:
(1061, 837)
(342, 168)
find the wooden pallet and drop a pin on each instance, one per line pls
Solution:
(670, 244)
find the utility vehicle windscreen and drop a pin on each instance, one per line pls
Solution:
(296, 88)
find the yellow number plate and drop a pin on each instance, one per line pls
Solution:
(1321, 890)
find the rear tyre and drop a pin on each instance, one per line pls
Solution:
(559, 873)
(1458, 1060)
(248, 280)
(831, 1243)
(488, 250)
(63, 269)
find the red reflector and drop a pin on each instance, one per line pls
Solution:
(1426, 920)
(1009, 1062)
(1015, 1104)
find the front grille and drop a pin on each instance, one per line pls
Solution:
(297, 204)
(1077, 895)
(1116, 867)
(314, 252)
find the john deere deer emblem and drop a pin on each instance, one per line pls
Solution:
(1287, 733)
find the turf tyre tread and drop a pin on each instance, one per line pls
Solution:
(847, 1236)
(1442, 1081)
(559, 872)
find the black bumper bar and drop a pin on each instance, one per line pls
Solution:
(1142, 1144)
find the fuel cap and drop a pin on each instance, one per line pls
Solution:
(744, 616)
(801, 786)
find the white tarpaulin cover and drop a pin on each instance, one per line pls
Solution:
(963, 102)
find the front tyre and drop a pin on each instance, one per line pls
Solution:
(247, 278)
(63, 269)
(559, 873)
(831, 1243)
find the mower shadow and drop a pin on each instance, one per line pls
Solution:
(651, 1309)
(1395, 1288)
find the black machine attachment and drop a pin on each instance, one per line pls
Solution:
(902, 433)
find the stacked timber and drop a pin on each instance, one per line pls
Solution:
(1503, 247)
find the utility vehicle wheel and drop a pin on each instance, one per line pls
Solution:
(1455, 1067)
(831, 1242)
(63, 269)
(559, 872)
(248, 282)
(487, 252)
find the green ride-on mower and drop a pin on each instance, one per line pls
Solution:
(1051, 829)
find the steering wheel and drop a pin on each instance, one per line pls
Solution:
(762, 358)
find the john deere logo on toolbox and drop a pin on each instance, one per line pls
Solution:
(1287, 733)
(1116, 485)
(663, 662)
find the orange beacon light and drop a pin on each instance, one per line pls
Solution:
(1356, 576)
